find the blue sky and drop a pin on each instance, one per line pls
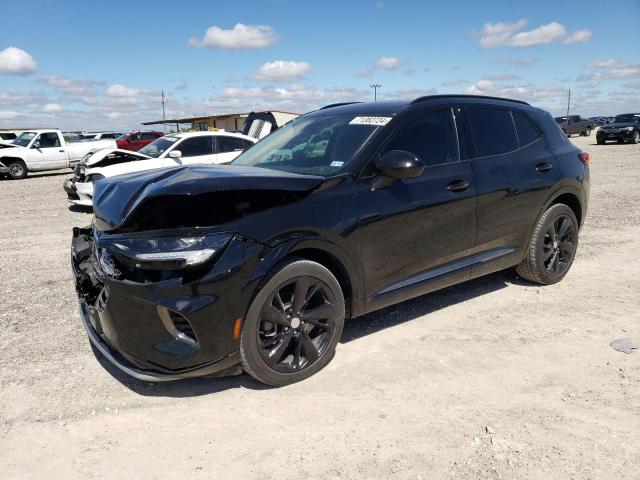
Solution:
(81, 66)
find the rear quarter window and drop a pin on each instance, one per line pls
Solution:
(493, 130)
(527, 131)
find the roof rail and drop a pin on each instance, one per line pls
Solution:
(429, 97)
(337, 105)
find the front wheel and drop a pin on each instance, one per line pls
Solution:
(552, 247)
(636, 137)
(17, 169)
(293, 324)
(601, 141)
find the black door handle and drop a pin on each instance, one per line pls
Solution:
(458, 186)
(544, 167)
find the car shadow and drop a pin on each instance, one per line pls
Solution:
(355, 329)
(53, 173)
(80, 209)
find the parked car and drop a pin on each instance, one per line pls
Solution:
(193, 270)
(99, 135)
(134, 141)
(599, 121)
(575, 124)
(44, 150)
(6, 136)
(169, 151)
(624, 128)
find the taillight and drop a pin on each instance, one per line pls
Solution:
(584, 158)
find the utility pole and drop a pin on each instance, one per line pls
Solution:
(375, 87)
(164, 118)
(568, 103)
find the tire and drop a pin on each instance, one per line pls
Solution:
(274, 345)
(17, 169)
(636, 137)
(587, 132)
(544, 252)
(601, 142)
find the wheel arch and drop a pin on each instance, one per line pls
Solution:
(571, 200)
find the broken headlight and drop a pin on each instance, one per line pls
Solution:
(166, 252)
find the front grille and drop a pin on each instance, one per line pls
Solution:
(612, 130)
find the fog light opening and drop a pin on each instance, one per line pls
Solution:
(177, 325)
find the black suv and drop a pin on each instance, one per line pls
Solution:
(193, 270)
(623, 128)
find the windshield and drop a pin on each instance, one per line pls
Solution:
(122, 137)
(316, 145)
(560, 119)
(628, 118)
(158, 147)
(24, 138)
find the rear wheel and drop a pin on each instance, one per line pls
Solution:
(587, 132)
(552, 247)
(293, 324)
(636, 137)
(17, 169)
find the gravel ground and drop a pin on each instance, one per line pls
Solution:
(496, 378)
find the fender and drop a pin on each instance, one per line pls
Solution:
(305, 244)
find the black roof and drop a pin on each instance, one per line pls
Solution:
(391, 107)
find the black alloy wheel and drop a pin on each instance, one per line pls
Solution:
(552, 247)
(559, 245)
(293, 324)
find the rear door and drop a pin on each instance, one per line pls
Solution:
(514, 170)
(228, 148)
(47, 152)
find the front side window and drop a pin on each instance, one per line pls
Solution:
(527, 132)
(313, 145)
(493, 131)
(432, 137)
(24, 138)
(158, 147)
(230, 144)
(193, 147)
(48, 140)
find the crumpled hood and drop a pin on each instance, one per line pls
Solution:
(117, 198)
(99, 155)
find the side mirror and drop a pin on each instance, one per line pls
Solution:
(36, 144)
(175, 154)
(398, 164)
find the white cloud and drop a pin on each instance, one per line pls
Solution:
(522, 92)
(579, 36)
(504, 35)
(14, 61)
(502, 77)
(282, 71)
(520, 62)
(633, 84)
(73, 87)
(240, 37)
(387, 63)
(610, 69)
(114, 115)
(120, 91)
(452, 82)
(9, 114)
(52, 108)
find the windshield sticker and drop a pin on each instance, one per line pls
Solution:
(377, 121)
(337, 163)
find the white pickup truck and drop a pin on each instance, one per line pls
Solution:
(37, 150)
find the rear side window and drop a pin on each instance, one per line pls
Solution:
(192, 147)
(432, 137)
(527, 131)
(493, 131)
(230, 144)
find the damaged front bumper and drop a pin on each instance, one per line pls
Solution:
(79, 193)
(168, 329)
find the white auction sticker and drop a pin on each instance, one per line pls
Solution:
(336, 163)
(378, 121)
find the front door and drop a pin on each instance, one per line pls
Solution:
(46, 152)
(198, 149)
(416, 233)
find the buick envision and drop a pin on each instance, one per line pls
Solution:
(194, 270)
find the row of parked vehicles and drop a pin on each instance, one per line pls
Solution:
(193, 270)
(623, 128)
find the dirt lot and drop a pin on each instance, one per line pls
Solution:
(496, 378)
